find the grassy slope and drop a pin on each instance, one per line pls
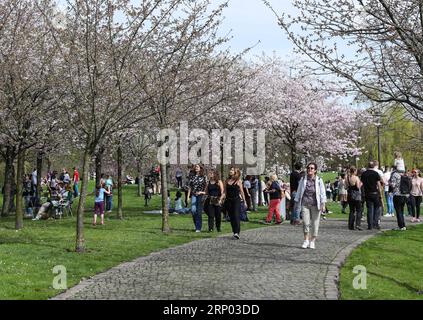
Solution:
(394, 266)
(27, 257)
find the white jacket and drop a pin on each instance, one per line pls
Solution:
(320, 191)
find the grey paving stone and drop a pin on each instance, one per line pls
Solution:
(266, 263)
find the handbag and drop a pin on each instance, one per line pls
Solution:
(215, 201)
(354, 194)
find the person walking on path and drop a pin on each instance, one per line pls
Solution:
(254, 193)
(275, 195)
(294, 180)
(311, 197)
(234, 193)
(196, 191)
(372, 186)
(247, 188)
(400, 185)
(263, 194)
(215, 194)
(343, 193)
(416, 195)
(353, 185)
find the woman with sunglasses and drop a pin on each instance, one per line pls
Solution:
(234, 194)
(311, 198)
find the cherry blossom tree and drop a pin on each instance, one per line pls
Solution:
(376, 46)
(27, 100)
(309, 122)
(99, 41)
(186, 72)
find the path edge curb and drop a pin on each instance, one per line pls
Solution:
(331, 283)
(84, 282)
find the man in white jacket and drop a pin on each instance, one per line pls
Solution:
(311, 198)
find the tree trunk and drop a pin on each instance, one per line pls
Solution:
(139, 193)
(221, 160)
(120, 199)
(48, 164)
(9, 177)
(39, 169)
(80, 241)
(98, 165)
(165, 209)
(168, 176)
(19, 190)
(293, 159)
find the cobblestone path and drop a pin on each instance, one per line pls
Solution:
(266, 263)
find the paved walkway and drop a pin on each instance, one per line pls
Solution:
(266, 263)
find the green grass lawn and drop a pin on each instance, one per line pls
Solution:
(393, 261)
(28, 256)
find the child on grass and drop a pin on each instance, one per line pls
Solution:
(99, 203)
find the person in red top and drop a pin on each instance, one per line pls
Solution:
(75, 181)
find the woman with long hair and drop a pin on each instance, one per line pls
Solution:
(234, 193)
(353, 186)
(215, 194)
(196, 191)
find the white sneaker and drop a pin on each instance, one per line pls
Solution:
(197, 231)
(312, 245)
(305, 244)
(403, 229)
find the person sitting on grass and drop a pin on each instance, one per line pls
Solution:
(179, 209)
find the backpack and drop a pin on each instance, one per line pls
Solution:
(405, 184)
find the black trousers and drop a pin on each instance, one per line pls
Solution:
(415, 202)
(179, 182)
(247, 199)
(355, 214)
(399, 203)
(233, 207)
(215, 214)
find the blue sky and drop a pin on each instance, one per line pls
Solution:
(251, 21)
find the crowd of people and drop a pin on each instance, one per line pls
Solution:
(303, 200)
(56, 193)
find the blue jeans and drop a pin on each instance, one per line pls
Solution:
(197, 211)
(373, 211)
(389, 202)
(75, 189)
(109, 203)
(295, 215)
